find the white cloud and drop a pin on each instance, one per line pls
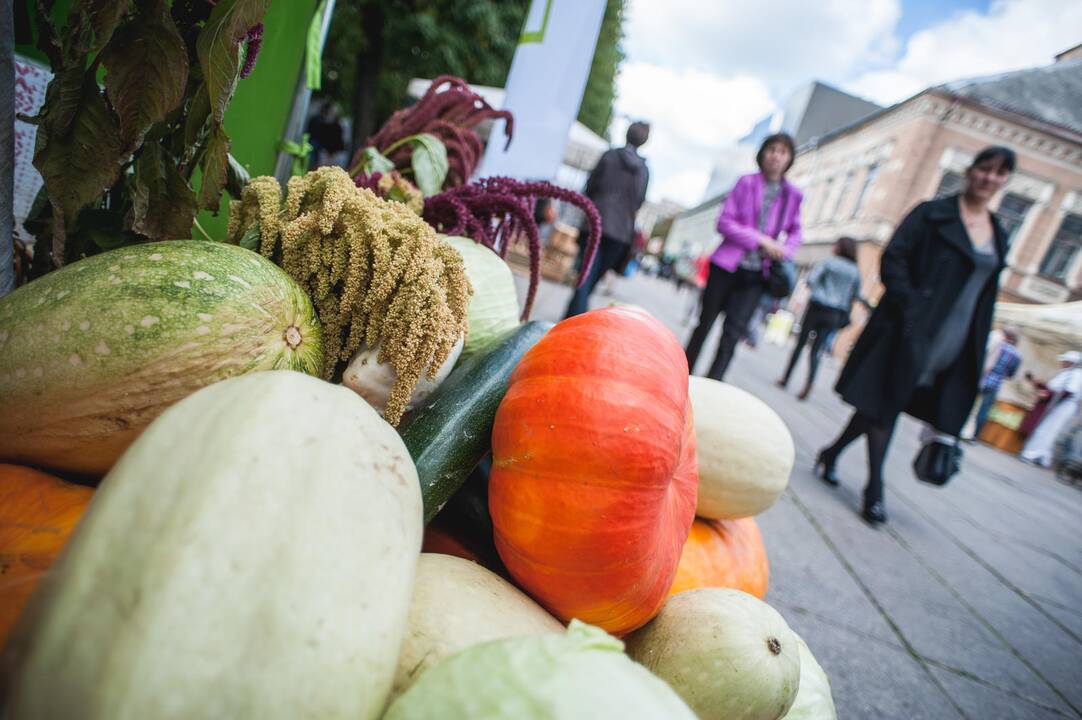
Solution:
(1015, 34)
(781, 42)
(703, 73)
(693, 114)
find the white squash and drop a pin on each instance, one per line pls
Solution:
(252, 554)
(457, 604)
(373, 380)
(813, 700)
(745, 451)
(729, 655)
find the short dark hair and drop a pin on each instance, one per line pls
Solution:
(847, 248)
(638, 133)
(1006, 157)
(777, 138)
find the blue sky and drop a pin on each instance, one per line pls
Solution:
(919, 14)
(703, 72)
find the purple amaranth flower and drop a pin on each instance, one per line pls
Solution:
(494, 210)
(254, 38)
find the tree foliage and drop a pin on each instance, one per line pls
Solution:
(597, 101)
(375, 47)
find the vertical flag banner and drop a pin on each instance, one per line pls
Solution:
(544, 88)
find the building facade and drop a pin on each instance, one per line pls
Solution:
(863, 179)
(809, 112)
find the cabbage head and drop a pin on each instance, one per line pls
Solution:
(493, 308)
(582, 674)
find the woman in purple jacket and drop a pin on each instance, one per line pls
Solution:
(759, 223)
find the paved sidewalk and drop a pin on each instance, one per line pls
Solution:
(967, 604)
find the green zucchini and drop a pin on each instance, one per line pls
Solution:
(452, 431)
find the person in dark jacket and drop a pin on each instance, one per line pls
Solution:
(835, 286)
(922, 351)
(617, 186)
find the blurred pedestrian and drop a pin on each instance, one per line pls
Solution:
(325, 134)
(835, 286)
(1006, 359)
(759, 224)
(697, 279)
(617, 186)
(922, 351)
(1066, 392)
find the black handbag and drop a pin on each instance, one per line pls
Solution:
(937, 462)
(781, 277)
(781, 274)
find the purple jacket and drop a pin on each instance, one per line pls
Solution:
(739, 220)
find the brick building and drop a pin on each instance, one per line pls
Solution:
(862, 179)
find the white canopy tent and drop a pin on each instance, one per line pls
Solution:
(1045, 332)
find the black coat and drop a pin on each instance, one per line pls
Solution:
(617, 186)
(924, 268)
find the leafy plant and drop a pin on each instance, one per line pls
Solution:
(118, 156)
(434, 139)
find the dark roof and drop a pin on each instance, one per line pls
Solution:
(829, 108)
(1051, 94)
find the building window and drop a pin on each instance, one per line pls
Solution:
(827, 187)
(950, 184)
(842, 192)
(869, 178)
(1064, 250)
(1012, 213)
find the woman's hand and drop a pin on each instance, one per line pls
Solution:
(771, 248)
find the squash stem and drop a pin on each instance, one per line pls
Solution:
(197, 226)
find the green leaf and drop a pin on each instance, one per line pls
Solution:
(372, 162)
(79, 165)
(429, 161)
(218, 48)
(104, 16)
(236, 178)
(146, 72)
(198, 113)
(215, 169)
(250, 239)
(62, 98)
(163, 206)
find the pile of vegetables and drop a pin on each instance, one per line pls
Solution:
(160, 594)
(274, 436)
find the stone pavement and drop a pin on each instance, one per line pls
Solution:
(967, 604)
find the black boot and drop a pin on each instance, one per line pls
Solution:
(875, 513)
(824, 468)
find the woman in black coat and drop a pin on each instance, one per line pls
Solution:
(923, 347)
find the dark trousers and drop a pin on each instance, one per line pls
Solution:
(736, 294)
(879, 435)
(609, 256)
(821, 320)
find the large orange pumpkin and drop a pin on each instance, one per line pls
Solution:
(37, 514)
(594, 478)
(723, 553)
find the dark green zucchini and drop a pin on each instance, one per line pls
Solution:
(452, 431)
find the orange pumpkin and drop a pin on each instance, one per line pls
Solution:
(594, 475)
(723, 553)
(37, 514)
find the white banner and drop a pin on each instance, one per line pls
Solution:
(544, 88)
